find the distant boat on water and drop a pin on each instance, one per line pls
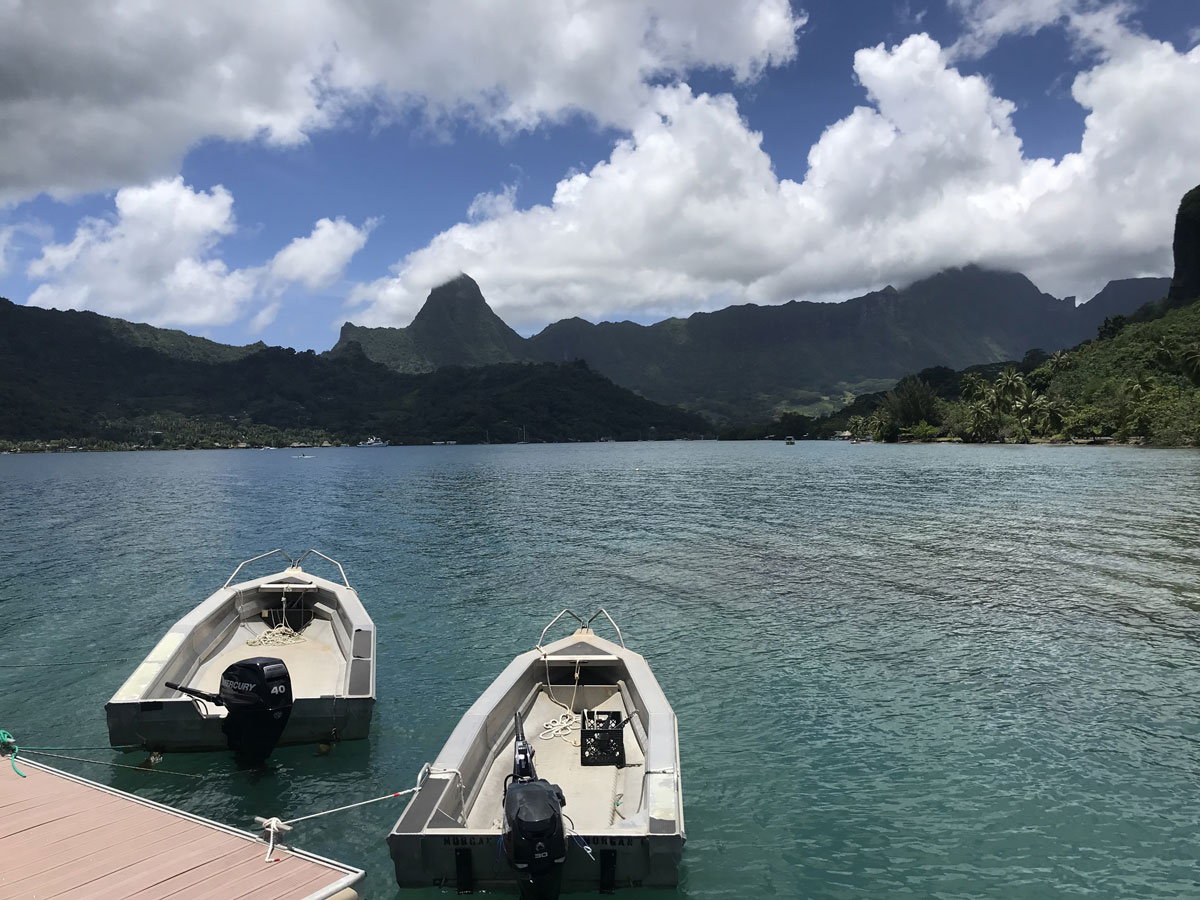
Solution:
(373, 442)
(304, 456)
(789, 440)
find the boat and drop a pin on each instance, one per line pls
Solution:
(372, 442)
(590, 799)
(285, 658)
(789, 440)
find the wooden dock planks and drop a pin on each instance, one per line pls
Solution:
(66, 838)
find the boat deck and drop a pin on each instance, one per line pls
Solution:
(67, 838)
(592, 792)
(316, 664)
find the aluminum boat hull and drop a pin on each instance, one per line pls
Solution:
(332, 669)
(631, 816)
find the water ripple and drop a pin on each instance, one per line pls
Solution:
(950, 672)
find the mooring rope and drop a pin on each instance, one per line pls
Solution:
(101, 762)
(274, 827)
(8, 744)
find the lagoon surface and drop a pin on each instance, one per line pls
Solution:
(899, 671)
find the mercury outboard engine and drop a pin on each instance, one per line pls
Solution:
(535, 840)
(258, 694)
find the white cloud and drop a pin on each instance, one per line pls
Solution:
(6, 235)
(153, 262)
(317, 261)
(689, 213)
(156, 260)
(95, 96)
(1093, 24)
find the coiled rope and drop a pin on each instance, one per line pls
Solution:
(567, 722)
(279, 636)
(282, 634)
(8, 744)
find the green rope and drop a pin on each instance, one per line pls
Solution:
(124, 748)
(101, 762)
(8, 744)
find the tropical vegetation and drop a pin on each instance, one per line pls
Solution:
(1138, 383)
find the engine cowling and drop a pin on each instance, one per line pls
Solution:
(258, 694)
(535, 839)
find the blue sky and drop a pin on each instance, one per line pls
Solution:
(268, 171)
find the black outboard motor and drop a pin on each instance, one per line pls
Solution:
(535, 839)
(258, 694)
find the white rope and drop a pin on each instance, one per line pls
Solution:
(274, 827)
(351, 806)
(560, 727)
(278, 636)
(567, 722)
(282, 634)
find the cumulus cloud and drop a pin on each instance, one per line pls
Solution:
(132, 86)
(156, 260)
(1092, 23)
(688, 211)
(6, 235)
(152, 262)
(317, 261)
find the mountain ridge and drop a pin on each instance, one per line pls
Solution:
(80, 377)
(744, 361)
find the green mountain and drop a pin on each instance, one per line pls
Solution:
(1138, 381)
(455, 327)
(746, 362)
(86, 378)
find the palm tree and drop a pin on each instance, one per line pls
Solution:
(1138, 386)
(1189, 361)
(1010, 385)
(1166, 353)
(971, 387)
(982, 420)
(1059, 362)
(1048, 414)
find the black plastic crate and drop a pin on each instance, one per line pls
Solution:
(602, 738)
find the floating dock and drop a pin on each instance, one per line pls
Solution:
(67, 838)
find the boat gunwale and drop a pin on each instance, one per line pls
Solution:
(178, 634)
(661, 746)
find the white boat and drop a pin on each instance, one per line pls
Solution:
(372, 442)
(289, 639)
(482, 818)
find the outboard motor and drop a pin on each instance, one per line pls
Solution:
(535, 839)
(258, 694)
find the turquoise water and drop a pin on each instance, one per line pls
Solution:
(900, 671)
